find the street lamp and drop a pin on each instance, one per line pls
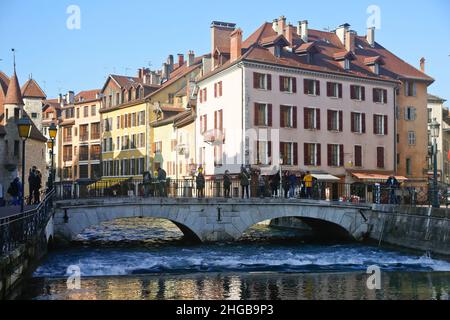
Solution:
(434, 131)
(52, 131)
(24, 126)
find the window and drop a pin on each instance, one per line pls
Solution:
(171, 97)
(410, 88)
(347, 64)
(141, 118)
(67, 134)
(84, 153)
(408, 167)
(86, 111)
(75, 131)
(380, 157)
(141, 140)
(203, 123)
(380, 95)
(16, 113)
(218, 89)
(312, 154)
(263, 114)
(430, 115)
(118, 143)
(335, 155)
(311, 87)
(67, 153)
(218, 119)
(334, 90)
(312, 119)
(335, 120)
(93, 110)
(358, 122)
(380, 124)
(205, 95)
(289, 153)
(84, 132)
(158, 147)
(78, 113)
(218, 155)
(412, 138)
(263, 152)
(410, 113)
(34, 115)
(288, 117)
(288, 84)
(133, 119)
(358, 156)
(262, 81)
(95, 130)
(357, 93)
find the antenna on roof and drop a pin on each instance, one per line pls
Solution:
(150, 64)
(14, 58)
(327, 29)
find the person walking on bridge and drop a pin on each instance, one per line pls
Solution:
(227, 184)
(200, 182)
(308, 181)
(162, 182)
(244, 178)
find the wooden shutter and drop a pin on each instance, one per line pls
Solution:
(319, 154)
(295, 147)
(269, 82)
(255, 81)
(352, 122)
(380, 157)
(269, 113)
(206, 94)
(220, 88)
(341, 155)
(215, 90)
(201, 124)
(352, 92)
(363, 122)
(305, 118)
(317, 87)
(329, 89)
(205, 122)
(305, 86)
(385, 98)
(294, 85)
(269, 151)
(256, 111)
(215, 119)
(294, 117)
(340, 90)
(282, 122)
(376, 95)
(201, 96)
(281, 83)
(386, 125)
(375, 131)
(329, 120)
(341, 121)
(318, 118)
(329, 154)
(306, 156)
(363, 93)
(358, 156)
(221, 119)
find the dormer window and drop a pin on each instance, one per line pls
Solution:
(376, 68)
(374, 64)
(347, 64)
(344, 58)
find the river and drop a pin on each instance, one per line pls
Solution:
(135, 259)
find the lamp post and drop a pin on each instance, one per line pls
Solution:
(24, 126)
(434, 129)
(52, 131)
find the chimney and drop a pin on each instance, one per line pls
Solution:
(170, 62)
(165, 71)
(220, 36)
(60, 98)
(154, 78)
(299, 28)
(191, 58)
(422, 65)
(281, 25)
(275, 25)
(180, 59)
(289, 34)
(350, 40)
(371, 36)
(206, 65)
(304, 30)
(70, 97)
(236, 45)
(341, 32)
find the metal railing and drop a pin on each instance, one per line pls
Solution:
(20, 228)
(214, 188)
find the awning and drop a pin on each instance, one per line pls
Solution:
(324, 177)
(373, 177)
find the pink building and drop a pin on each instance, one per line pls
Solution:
(322, 101)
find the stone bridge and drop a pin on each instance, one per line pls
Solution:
(213, 220)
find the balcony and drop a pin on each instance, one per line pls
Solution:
(67, 139)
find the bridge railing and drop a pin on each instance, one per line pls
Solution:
(19, 228)
(188, 188)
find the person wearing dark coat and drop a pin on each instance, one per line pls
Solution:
(227, 184)
(200, 181)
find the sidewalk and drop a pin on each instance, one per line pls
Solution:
(13, 210)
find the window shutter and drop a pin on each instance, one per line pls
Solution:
(318, 87)
(385, 98)
(341, 121)
(282, 124)
(206, 122)
(305, 118)
(294, 117)
(386, 125)
(329, 89)
(201, 124)
(215, 119)
(357, 156)
(306, 156)
(153, 147)
(269, 82)
(352, 92)
(340, 90)
(220, 88)
(363, 93)
(329, 154)
(206, 94)
(352, 122)
(215, 90)
(269, 151)
(414, 113)
(329, 120)
(256, 111)
(376, 95)
(294, 85)
(257, 152)
(221, 119)
(341, 155)
(281, 84)
(375, 131)
(269, 112)
(414, 88)
(363, 125)
(255, 80)
(380, 157)
(319, 154)
(318, 118)
(282, 151)
(295, 154)
(201, 96)
(305, 86)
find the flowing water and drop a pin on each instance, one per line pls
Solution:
(149, 259)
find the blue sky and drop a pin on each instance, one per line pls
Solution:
(121, 36)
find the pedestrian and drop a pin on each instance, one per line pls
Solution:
(261, 186)
(308, 182)
(285, 184)
(275, 184)
(15, 190)
(227, 184)
(392, 184)
(31, 184)
(200, 182)
(245, 182)
(292, 184)
(37, 186)
(162, 182)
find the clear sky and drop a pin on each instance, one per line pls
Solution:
(121, 36)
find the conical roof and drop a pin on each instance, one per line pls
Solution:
(14, 95)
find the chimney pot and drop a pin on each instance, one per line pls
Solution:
(371, 36)
(275, 25)
(281, 25)
(304, 30)
(235, 45)
(422, 64)
(191, 58)
(350, 40)
(180, 59)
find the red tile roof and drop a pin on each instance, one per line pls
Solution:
(4, 82)
(14, 96)
(32, 90)
(87, 95)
